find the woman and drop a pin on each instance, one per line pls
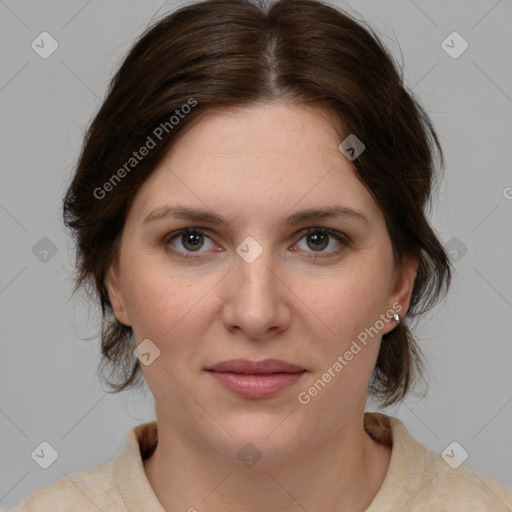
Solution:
(249, 206)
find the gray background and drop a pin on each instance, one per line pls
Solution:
(49, 388)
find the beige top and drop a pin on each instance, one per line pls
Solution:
(417, 480)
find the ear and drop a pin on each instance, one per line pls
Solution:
(115, 294)
(403, 283)
(401, 287)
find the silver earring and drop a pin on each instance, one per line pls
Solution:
(396, 317)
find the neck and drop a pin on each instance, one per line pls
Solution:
(343, 472)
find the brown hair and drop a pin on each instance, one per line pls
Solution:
(229, 53)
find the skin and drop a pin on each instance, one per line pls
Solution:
(255, 166)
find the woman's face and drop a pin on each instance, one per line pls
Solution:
(280, 277)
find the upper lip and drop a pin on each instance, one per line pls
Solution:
(255, 367)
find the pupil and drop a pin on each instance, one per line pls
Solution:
(192, 241)
(319, 241)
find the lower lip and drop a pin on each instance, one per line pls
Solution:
(256, 386)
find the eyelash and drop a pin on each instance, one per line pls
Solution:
(340, 237)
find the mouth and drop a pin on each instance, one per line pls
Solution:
(256, 380)
(247, 367)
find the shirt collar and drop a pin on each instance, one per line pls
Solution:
(128, 469)
(138, 495)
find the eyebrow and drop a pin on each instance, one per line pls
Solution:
(210, 217)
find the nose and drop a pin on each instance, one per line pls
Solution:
(256, 302)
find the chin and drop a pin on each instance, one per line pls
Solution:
(261, 436)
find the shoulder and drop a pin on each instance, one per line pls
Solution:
(112, 486)
(421, 479)
(458, 487)
(84, 491)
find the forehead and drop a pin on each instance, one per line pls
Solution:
(262, 156)
(264, 128)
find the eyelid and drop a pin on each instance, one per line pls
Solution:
(339, 235)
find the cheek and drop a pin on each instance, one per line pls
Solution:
(345, 364)
(157, 301)
(349, 302)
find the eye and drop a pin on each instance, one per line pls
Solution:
(323, 240)
(189, 240)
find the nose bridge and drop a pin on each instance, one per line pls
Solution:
(253, 261)
(254, 276)
(254, 301)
